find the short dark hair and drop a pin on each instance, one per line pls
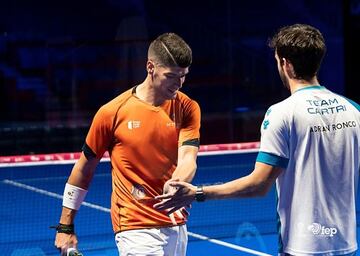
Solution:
(301, 44)
(170, 50)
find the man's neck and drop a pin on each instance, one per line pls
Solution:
(296, 84)
(146, 92)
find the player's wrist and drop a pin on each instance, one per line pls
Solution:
(199, 194)
(73, 196)
(64, 228)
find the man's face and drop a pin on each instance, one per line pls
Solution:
(168, 80)
(284, 78)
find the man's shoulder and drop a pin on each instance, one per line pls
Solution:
(283, 105)
(352, 102)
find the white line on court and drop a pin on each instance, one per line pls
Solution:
(104, 209)
(51, 194)
(233, 246)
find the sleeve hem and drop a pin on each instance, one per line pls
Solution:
(271, 159)
(89, 154)
(192, 142)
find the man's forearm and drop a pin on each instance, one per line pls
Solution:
(185, 171)
(232, 189)
(257, 183)
(67, 216)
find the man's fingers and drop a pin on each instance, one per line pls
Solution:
(169, 195)
(163, 205)
(65, 241)
(174, 209)
(167, 204)
(157, 206)
(176, 184)
(164, 196)
(173, 199)
(64, 250)
(185, 212)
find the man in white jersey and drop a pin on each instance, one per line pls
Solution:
(310, 144)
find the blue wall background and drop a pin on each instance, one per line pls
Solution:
(61, 60)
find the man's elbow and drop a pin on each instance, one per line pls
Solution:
(261, 190)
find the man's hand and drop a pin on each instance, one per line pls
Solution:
(177, 194)
(168, 189)
(64, 241)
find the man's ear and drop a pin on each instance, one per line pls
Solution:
(289, 68)
(150, 67)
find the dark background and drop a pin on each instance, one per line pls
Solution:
(61, 60)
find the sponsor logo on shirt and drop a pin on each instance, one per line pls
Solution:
(173, 124)
(333, 127)
(268, 112)
(325, 106)
(138, 192)
(266, 124)
(133, 124)
(320, 230)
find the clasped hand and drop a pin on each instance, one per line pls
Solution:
(177, 195)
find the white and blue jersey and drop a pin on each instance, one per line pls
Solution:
(315, 136)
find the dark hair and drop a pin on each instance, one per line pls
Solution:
(170, 50)
(303, 45)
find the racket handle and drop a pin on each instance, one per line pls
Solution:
(73, 252)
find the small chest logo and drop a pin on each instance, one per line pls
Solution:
(133, 124)
(173, 124)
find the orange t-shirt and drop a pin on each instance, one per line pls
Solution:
(143, 142)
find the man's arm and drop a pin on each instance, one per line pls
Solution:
(257, 183)
(185, 171)
(186, 166)
(81, 176)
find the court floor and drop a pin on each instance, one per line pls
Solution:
(31, 200)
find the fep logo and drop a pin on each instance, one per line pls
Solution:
(319, 230)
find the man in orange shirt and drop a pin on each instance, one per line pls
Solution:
(152, 134)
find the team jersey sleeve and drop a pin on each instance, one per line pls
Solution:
(274, 144)
(99, 136)
(190, 127)
(357, 106)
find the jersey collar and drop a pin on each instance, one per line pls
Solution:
(311, 87)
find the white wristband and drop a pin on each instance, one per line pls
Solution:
(73, 196)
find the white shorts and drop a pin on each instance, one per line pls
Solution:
(169, 241)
